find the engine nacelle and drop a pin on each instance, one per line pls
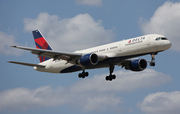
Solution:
(89, 59)
(138, 65)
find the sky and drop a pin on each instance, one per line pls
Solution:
(78, 24)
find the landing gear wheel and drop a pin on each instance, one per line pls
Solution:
(83, 74)
(80, 75)
(113, 77)
(107, 78)
(86, 74)
(152, 64)
(110, 77)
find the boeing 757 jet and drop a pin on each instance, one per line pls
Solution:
(119, 53)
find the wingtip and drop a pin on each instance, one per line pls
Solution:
(9, 61)
(13, 46)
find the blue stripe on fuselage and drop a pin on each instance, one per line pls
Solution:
(73, 68)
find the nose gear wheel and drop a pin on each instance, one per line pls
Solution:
(152, 63)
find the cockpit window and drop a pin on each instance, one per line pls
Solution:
(164, 39)
(157, 38)
(161, 38)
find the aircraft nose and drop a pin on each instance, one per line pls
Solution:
(168, 44)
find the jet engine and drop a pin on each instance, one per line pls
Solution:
(137, 65)
(89, 59)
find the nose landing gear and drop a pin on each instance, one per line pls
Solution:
(152, 63)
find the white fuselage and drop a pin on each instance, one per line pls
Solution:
(127, 48)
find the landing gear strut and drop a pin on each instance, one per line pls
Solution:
(83, 74)
(111, 77)
(152, 63)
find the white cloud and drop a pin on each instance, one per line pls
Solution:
(165, 21)
(90, 2)
(161, 103)
(126, 81)
(24, 99)
(90, 94)
(70, 34)
(5, 42)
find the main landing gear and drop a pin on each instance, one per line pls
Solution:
(83, 74)
(152, 63)
(111, 77)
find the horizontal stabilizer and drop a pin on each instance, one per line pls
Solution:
(27, 64)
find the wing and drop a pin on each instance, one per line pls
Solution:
(26, 64)
(69, 57)
(125, 63)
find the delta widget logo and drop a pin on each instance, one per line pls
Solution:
(129, 41)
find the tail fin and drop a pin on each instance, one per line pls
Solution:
(41, 43)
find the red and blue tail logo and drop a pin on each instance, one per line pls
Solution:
(41, 43)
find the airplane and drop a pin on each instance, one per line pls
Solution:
(119, 53)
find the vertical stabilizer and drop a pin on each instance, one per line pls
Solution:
(41, 43)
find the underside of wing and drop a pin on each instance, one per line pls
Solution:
(125, 63)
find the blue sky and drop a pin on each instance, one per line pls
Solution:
(78, 24)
